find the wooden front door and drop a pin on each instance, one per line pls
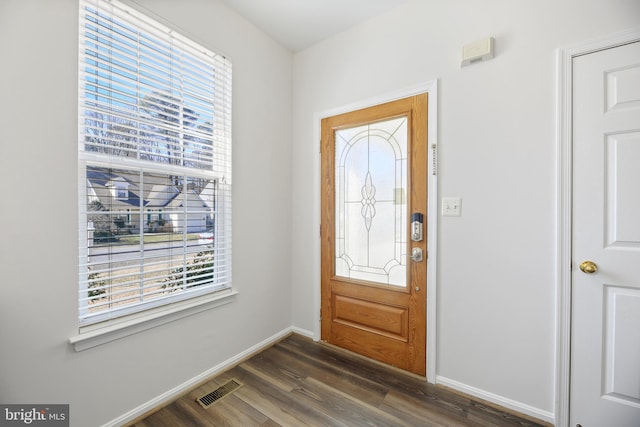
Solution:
(374, 185)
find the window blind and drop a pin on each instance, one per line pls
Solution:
(155, 164)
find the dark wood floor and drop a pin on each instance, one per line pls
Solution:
(298, 382)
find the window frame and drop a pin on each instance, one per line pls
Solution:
(134, 317)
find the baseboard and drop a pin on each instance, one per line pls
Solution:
(498, 400)
(303, 332)
(179, 390)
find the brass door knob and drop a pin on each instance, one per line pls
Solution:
(588, 267)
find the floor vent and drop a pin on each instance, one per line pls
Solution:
(224, 390)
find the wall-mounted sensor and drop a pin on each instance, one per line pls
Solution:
(477, 51)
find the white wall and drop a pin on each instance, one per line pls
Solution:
(38, 216)
(496, 284)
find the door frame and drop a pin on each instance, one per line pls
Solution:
(564, 212)
(431, 88)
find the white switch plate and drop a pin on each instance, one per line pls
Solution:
(451, 206)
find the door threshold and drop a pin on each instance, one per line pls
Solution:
(373, 361)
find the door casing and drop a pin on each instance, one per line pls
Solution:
(564, 191)
(431, 88)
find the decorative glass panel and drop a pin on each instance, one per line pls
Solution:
(371, 209)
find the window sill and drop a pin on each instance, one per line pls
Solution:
(96, 335)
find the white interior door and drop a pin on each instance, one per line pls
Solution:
(605, 334)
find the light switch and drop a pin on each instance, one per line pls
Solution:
(451, 206)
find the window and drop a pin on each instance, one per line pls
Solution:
(155, 165)
(119, 188)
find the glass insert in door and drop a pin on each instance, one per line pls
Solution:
(371, 207)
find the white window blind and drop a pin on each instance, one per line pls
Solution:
(155, 164)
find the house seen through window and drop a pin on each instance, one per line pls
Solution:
(155, 165)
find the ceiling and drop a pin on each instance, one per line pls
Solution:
(297, 24)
